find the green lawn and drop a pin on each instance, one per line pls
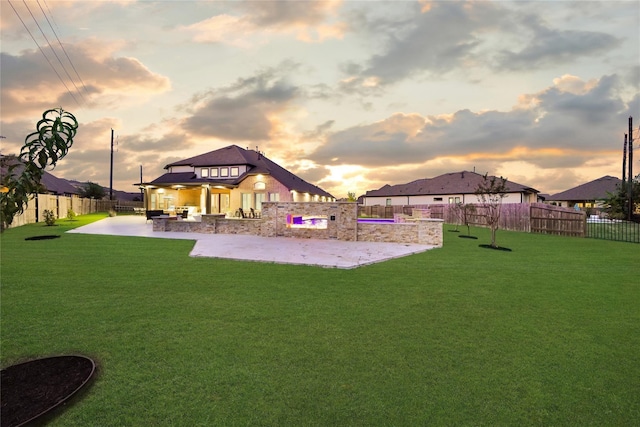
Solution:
(548, 334)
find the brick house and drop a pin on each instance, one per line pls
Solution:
(224, 180)
(456, 187)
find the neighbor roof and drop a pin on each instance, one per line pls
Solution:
(464, 182)
(593, 190)
(234, 155)
(50, 182)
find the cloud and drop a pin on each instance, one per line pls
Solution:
(548, 46)
(434, 41)
(563, 125)
(30, 85)
(309, 21)
(246, 110)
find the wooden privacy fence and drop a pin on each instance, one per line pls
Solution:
(527, 217)
(547, 219)
(60, 205)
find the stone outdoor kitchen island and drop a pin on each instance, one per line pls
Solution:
(312, 220)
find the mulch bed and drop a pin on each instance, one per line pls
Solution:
(45, 237)
(495, 248)
(33, 389)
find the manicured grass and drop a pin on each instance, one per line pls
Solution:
(545, 335)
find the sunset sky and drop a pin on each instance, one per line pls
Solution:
(348, 95)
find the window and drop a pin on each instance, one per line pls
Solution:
(214, 172)
(457, 199)
(450, 200)
(388, 202)
(260, 197)
(204, 172)
(224, 172)
(259, 186)
(246, 202)
(235, 171)
(437, 199)
(274, 197)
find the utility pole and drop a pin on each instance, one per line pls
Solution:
(111, 174)
(624, 162)
(141, 189)
(630, 175)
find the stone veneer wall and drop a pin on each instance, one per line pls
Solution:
(421, 231)
(342, 224)
(211, 224)
(341, 219)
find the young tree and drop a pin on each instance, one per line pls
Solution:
(490, 192)
(92, 191)
(461, 213)
(466, 210)
(617, 204)
(42, 148)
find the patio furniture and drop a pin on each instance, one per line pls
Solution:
(184, 214)
(153, 214)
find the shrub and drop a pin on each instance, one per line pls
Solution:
(49, 217)
(112, 213)
(71, 215)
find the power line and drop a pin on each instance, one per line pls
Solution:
(60, 43)
(51, 47)
(42, 51)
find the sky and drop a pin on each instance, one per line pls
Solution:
(348, 95)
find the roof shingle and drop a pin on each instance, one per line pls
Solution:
(593, 190)
(464, 182)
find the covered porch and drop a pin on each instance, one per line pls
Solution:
(195, 200)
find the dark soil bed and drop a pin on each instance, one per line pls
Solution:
(495, 248)
(33, 389)
(46, 237)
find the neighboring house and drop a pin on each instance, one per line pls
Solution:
(49, 183)
(589, 195)
(221, 181)
(117, 194)
(457, 187)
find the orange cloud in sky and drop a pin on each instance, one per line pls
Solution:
(104, 75)
(307, 20)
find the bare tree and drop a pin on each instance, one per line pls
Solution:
(490, 191)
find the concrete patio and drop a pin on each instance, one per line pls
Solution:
(281, 250)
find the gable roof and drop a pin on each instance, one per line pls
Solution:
(593, 190)
(50, 182)
(464, 182)
(233, 156)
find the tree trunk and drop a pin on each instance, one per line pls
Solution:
(493, 236)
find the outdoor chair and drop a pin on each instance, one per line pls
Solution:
(154, 213)
(241, 213)
(184, 214)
